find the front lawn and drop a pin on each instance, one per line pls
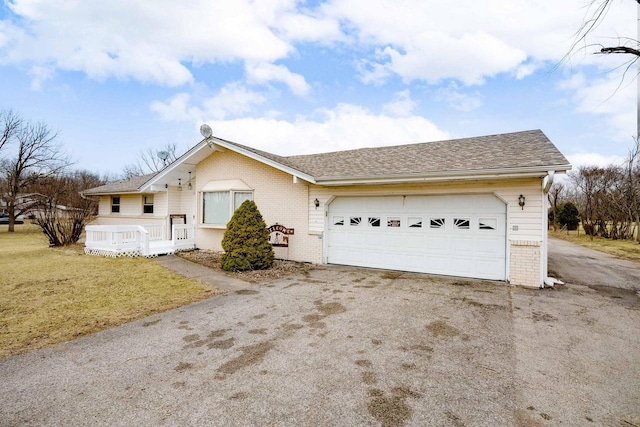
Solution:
(51, 295)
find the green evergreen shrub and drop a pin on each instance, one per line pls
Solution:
(569, 216)
(246, 241)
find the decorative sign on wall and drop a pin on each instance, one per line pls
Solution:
(279, 235)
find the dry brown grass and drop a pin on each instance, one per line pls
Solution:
(51, 295)
(628, 249)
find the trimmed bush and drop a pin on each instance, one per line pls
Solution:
(246, 241)
(569, 216)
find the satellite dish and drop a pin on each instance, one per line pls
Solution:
(205, 130)
(163, 155)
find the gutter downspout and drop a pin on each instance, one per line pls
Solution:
(546, 186)
(548, 181)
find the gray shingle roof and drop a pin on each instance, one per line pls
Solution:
(509, 151)
(123, 186)
(483, 153)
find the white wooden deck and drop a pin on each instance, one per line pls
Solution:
(137, 240)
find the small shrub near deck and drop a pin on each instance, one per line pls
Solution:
(246, 241)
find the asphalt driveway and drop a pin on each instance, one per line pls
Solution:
(347, 346)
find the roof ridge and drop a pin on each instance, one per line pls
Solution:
(413, 144)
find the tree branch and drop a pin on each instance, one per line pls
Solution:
(620, 49)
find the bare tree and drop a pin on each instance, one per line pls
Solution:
(10, 123)
(555, 197)
(151, 160)
(36, 155)
(596, 12)
(62, 212)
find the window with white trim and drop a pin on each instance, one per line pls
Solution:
(115, 204)
(219, 206)
(147, 204)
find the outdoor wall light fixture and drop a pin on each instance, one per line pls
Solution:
(189, 187)
(316, 202)
(521, 201)
(179, 184)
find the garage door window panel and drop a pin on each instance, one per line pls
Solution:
(393, 222)
(488, 223)
(461, 223)
(414, 222)
(355, 220)
(374, 221)
(437, 223)
(338, 220)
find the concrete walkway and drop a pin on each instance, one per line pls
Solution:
(204, 274)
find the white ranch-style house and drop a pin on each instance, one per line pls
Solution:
(472, 207)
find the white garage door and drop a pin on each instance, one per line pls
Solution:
(451, 235)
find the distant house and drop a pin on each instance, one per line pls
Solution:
(26, 206)
(472, 207)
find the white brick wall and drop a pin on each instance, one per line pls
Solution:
(277, 197)
(525, 263)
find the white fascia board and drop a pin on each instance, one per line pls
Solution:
(455, 176)
(110, 193)
(266, 161)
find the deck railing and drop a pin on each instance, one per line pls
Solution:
(136, 240)
(183, 235)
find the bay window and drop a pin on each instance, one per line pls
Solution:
(218, 206)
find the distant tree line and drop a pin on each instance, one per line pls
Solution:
(605, 199)
(37, 181)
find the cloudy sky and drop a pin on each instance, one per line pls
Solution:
(291, 77)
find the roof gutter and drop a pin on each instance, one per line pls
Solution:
(443, 176)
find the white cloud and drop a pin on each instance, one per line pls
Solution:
(158, 41)
(609, 96)
(344, 127)
(232, 100)
(150, 41)
(177, 109)
(401, 106)
(40, 75)
(594, 159)
(459, 100)
(264, 72)
(469, 40)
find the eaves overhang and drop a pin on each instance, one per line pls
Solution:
(508, 173)
(182, 164)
